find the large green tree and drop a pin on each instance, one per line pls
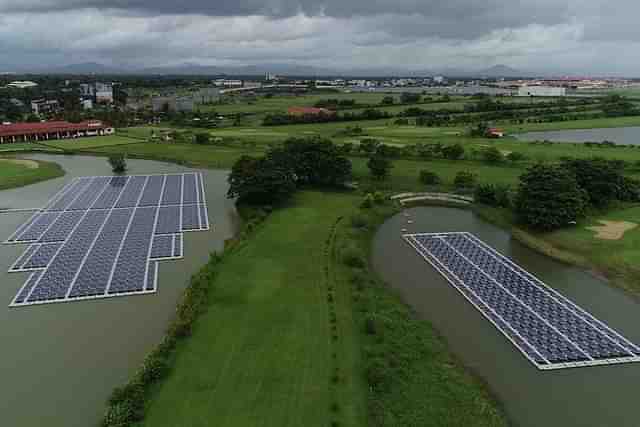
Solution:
(261, 180)
(602, 179)
(315, 161)
(549, 198)
(379, 166)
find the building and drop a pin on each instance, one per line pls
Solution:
(541, 91)
(206, 95)
(172, 104)
(87, 91)
(87, 104)
(43, 106)
(495, 133)
(104, 93)
(227, 83)
(22, 84)
(26, 132)
(309, 111)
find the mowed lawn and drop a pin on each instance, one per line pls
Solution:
(91, 142)
(261, 354)
(15, 174)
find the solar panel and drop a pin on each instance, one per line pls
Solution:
(549, 329)
(96, 237)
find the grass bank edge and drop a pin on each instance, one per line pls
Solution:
(384, 321)
(44, 172)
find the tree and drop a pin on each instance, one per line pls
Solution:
(387, 100)
(260, 181)
(379, 166)
(202, 138)
(118, 163)
(480, 130)
(315, 161)
(549, 197)
(453, 152)
(492, 155)
(410, 98)
(464, 179)
(514, 157)
(602, 179)
(429, 178)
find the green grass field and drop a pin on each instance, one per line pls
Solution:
(91, 142)
(14, 175)
(262, 353)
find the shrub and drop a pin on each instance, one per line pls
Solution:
(367, 202)
(493, 195)
(377, 374)
(379, 198)
(453, 152)
(353, 257)
(370, 325)
(492, 155)
(359, 221)
(429, 178)
(514, 157)
(118, 163)
(464, 179)
(154, 368)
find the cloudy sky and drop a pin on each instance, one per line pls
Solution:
(568, 36)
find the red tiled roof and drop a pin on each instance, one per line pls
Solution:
(308, 110)
(17, 129)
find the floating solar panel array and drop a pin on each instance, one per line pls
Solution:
(549, 329)
(101, 237)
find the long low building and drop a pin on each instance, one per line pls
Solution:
(43, 131)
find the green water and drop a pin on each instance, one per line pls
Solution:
(594, 396)
(59, 362)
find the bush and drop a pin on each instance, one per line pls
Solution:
(429, 178)
(359, 221)
(379, 198)
(464, 179)
(154, 368)
(453, 152)
(353, 257)
(118, 163)
(202, 138)
(514, 157)
(370, 326)
(493, 195)
(492, 155)
(367, 202)
(377, 374)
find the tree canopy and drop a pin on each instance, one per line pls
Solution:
(549, 197)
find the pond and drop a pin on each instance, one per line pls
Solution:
(589, 396)
(621, 136)
(59, 362)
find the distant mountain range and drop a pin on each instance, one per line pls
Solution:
(190, 69)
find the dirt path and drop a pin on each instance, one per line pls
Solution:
(612, 230)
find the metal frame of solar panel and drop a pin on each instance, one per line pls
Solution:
(550, 330)
(104, 236)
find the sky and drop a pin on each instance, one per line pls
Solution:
(577, 37)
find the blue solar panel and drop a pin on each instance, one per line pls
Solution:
(173, 190)
(62, 227)
(190, 195)
(152, 191)
(56, 280)
(177, 246)
(38, 228)
(42, 257)
(132, 263)
(544, 325)
(89, 195)
(131, 192)
(76, 189)
(162, 247)
(94, 275)
(168, 220)
(111, 193)
(99, 235)
(190, 218)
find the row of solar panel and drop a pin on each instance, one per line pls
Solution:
(51, 227)
(167, 246)
(542, 324)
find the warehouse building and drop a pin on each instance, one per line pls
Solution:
(28, 132)
(541, 91)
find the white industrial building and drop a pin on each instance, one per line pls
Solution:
(541, 91)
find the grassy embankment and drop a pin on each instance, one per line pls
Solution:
(281, 341)
(18, 173)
